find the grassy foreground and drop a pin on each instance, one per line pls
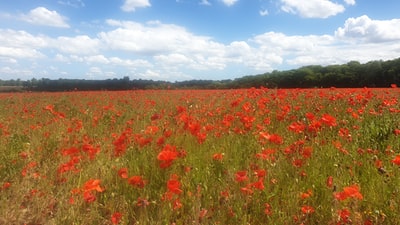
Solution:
(254, 156)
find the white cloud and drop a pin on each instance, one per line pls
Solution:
(81, 45)
(263, 12)
(350, 2)
(20, 44)
(97, 73)
(131, 5)
(312, 8)
(21, 39)
(229, 2)
(365, 29)
(97, 59)
(155, 38)
(205, 2)
(155, 50)
(44, 17)
(13, 73)
(61, 58)
(20, 52)
(173, 59)
(129, 63)
(151, 74)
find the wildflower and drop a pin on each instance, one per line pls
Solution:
(267, 154)
(344, 216)
(123, 173)
(310, 116)
(305, 195)
(306, 209)
(352, 191)
(396, 160)
(260, 173)
(173, 184)
(268, 209)
(93, 185)
(167, 156)
(218, 156)
(116, 218)
(329, 120)
(90, 188)
(247, 190)
(6, 185)
(272, 138)
(89, 197)
(259, 184)
(151, 130)
(297, 127)
(329, 182)
(137, 181)
(177, 204)
(306, 152)
(91, 150)
(241, 176)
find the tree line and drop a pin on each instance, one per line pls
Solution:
(352, 74)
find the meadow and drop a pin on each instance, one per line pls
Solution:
(248, 156)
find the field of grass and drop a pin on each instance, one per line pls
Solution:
(251, 156)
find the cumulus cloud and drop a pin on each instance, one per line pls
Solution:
(170, 52)
(350, 2)
(21, 44)
(44, 17)
(19, 52)
(155, 38)
(21, 39)
(80, 45)
(365, 29)
(312, 8)
(131, 5)
(229, 2)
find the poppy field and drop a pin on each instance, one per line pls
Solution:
(247, 156)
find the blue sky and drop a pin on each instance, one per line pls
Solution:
(178, 40)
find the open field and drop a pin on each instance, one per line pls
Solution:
(250, 156)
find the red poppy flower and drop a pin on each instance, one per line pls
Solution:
(167, 156)
(116, 218)
(328, 120)
(137, 181)
(329, 182)
(123, 173)
(273, 138)
(93, 185)
(344, 216)
(173, 184)
(396, 160)
(259, 184)
(218, 156)
(260, 173)
(6, 185)
(241, 176)
(306, 209)
(268, 209)
(352, 191)
(305, 195)
(89, 197)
